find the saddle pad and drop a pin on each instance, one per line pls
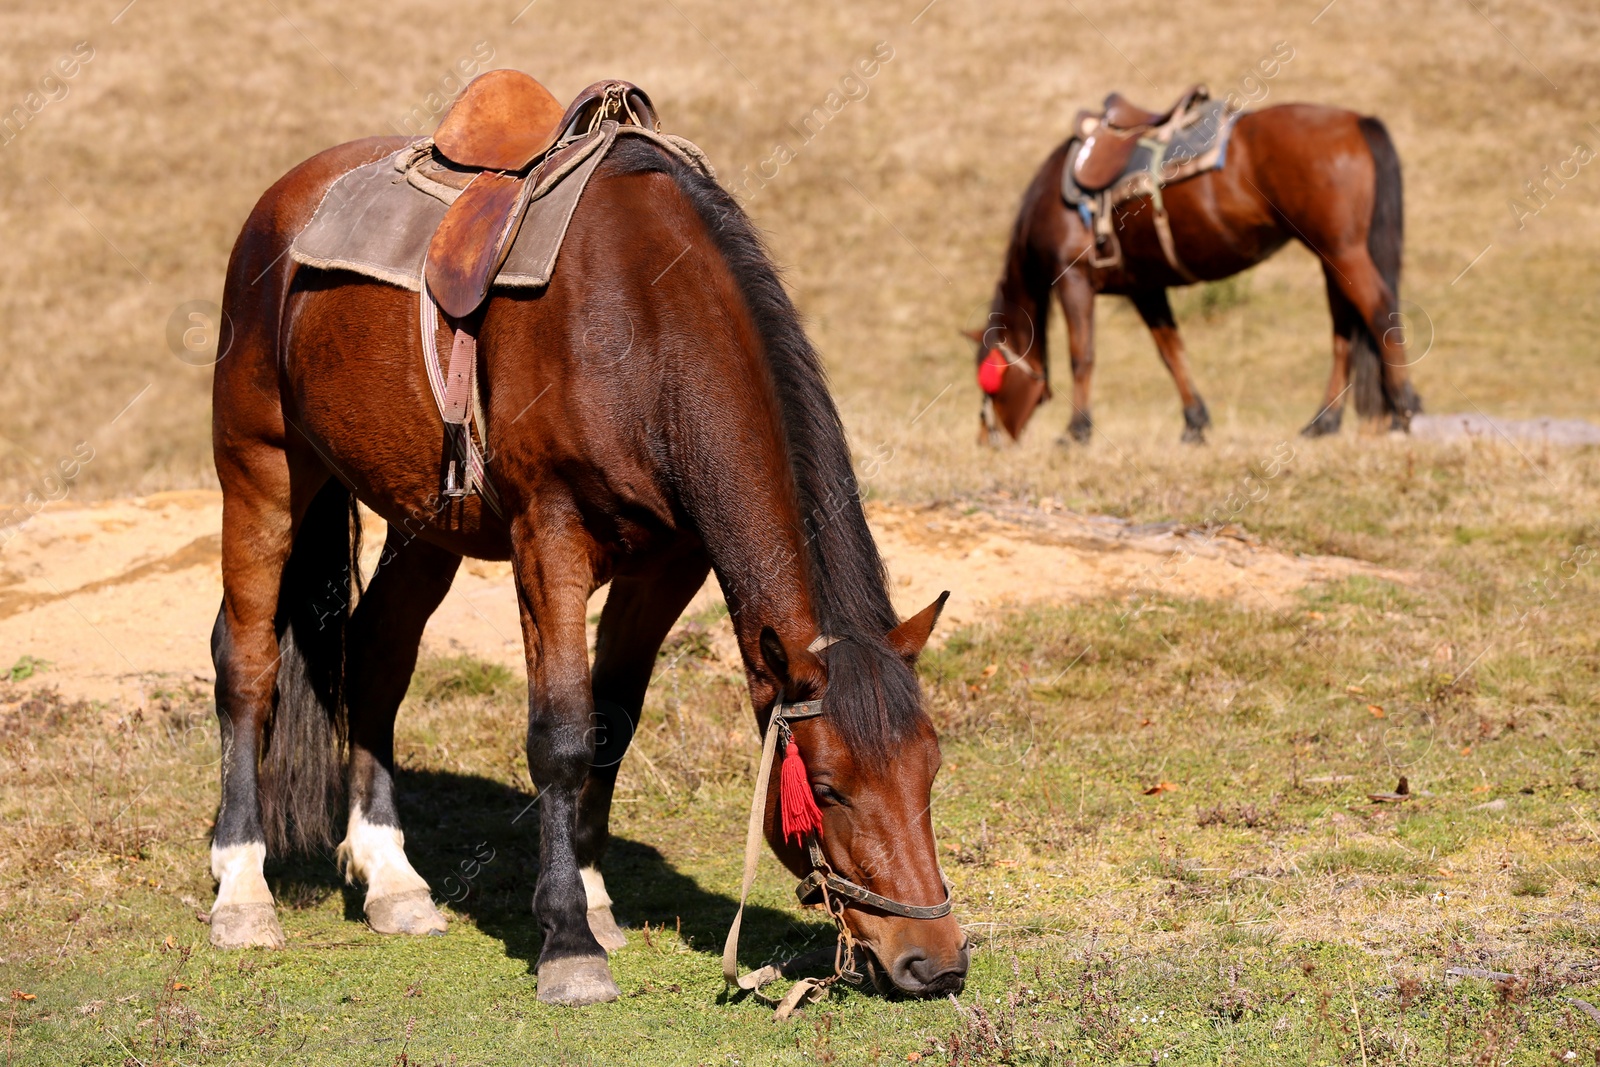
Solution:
(1200, 145)
(378, 220)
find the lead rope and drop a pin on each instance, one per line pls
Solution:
(805, 990)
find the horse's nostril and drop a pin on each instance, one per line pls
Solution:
(914, 972)
(905, 971)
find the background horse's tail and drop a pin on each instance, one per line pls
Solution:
(301, 775)
(1385, 237)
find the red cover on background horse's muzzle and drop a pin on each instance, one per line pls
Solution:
(992, 371)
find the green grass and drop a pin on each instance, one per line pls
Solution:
(26, 667)
(1258, 908)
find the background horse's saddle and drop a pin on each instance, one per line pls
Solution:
(1124, 114)
(1124, 151)
(1111, 137)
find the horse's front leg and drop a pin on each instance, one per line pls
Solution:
(1076, 297)
(551, 558)
(639, 612)
(1157, 315)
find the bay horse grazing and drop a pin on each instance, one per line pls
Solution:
(709, 442)
(1324, 176)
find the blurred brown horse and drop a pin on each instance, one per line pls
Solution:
(1326, 177)
(703, 440)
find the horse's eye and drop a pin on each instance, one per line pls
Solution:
(829, 795)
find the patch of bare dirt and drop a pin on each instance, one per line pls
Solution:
(119, 598)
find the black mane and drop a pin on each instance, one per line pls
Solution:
(873, 695)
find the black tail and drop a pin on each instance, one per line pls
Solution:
(1385, 237)
(301, 772)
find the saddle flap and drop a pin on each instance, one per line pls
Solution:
(503, 120)
(1103, 158)
(473, 240)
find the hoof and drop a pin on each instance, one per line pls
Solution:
(245, 926)
(576, 981)
(1080, 430)
(1196, 420)
(1325, 424)
(405, 913)
(605, 929)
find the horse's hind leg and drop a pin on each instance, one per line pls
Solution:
(258, 521)
(1346, 323)
(412, 578)
(1157, 315)
(1360, 282)
(639, 612)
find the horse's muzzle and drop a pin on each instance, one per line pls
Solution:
(917, 974)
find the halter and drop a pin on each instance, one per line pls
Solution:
(1012, 360)
(823, 885)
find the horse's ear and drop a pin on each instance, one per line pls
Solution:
(775, 654)
(910, 637)
(797, 670)
(976, 336)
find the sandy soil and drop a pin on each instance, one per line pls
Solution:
(119, 597)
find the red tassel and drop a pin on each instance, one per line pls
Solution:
(992, 371)
(801, 815)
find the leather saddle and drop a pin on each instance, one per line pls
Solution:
(1111, 137)
(494, 144)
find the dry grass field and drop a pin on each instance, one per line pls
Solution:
(1155, 808)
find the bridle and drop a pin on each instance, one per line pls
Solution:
(823, 885)
(1012, 359)
(824, 881)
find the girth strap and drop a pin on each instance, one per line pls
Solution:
(1169, 249)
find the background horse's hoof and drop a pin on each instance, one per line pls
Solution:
(1325, 424)
(605, 929)
(1193, 435)
(405, 913)
(576, 981)
(245, 926)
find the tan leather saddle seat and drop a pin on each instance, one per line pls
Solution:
(496, 138)
(1124, 114)
(1115, 137)
(504, 120)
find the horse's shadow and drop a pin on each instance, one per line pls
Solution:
(476, 841)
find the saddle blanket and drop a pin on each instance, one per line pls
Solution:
(1199, 145)
(378, 219)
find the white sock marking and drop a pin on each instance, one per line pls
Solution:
(237, 869)
(594, 887)
(376, 855)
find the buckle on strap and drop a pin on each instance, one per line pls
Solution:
(800, 709)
